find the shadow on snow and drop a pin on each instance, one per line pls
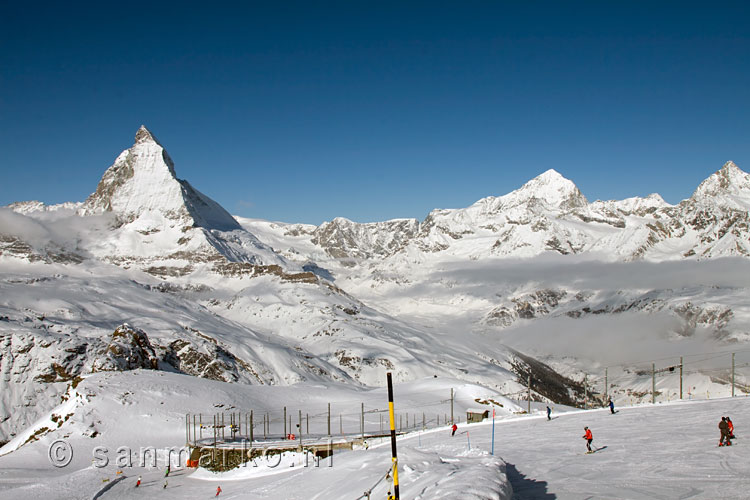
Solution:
(525, 488)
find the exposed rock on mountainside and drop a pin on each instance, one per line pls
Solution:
(128, 349)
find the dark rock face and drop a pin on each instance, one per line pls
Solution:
(128, 349)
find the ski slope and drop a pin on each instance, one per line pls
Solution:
(664, 451)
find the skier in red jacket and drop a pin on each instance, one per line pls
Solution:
(730, 426)
(218, 490)
(588, 437)
(454, 429)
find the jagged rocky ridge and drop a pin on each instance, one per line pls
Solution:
(545, 215)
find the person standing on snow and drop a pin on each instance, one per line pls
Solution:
(724, 429)
(588, 437)
(454, 429)
(611, 406)
(730, 427)
(549, 412)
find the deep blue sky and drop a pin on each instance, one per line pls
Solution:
(373, 110)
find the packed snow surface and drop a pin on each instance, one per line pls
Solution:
(661, 451)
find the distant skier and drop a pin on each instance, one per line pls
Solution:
(588, 437)
(730, 426)
(454, 429)
(138, 483)
(611, 406)
(166, 473)
(549, 412)
(724, 429)
(165, 484)
(218, 490)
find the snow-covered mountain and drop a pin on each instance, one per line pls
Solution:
(150, 273)
(550, 214)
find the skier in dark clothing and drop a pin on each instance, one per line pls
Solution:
(454, 429)
(549, 412)
(724, 429)
(588, 437)
(611, 406)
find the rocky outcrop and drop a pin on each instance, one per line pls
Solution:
(128, 349)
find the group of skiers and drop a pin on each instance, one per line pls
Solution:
(726, 427)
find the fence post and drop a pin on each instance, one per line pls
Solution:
(653, 383)
(680, 377)
(732, 374)
(329, 419)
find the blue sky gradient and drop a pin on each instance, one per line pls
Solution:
(301, 112)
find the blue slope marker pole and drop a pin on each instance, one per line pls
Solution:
(492, 452)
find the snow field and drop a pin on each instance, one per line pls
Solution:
(663, 451)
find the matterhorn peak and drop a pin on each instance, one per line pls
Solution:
(145, 135)
(142, 181)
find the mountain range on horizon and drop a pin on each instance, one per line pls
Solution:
(141, 188)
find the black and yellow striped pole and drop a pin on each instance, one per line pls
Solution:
(393, 438)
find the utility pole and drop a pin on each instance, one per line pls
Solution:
(363, 421)
(329, 419)
(528, 393)
(680, 377)
(606, 386)
(732, 374)
(451, 405)
(653, 383)
(251, 428)
(285, 431)
(585, 393)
